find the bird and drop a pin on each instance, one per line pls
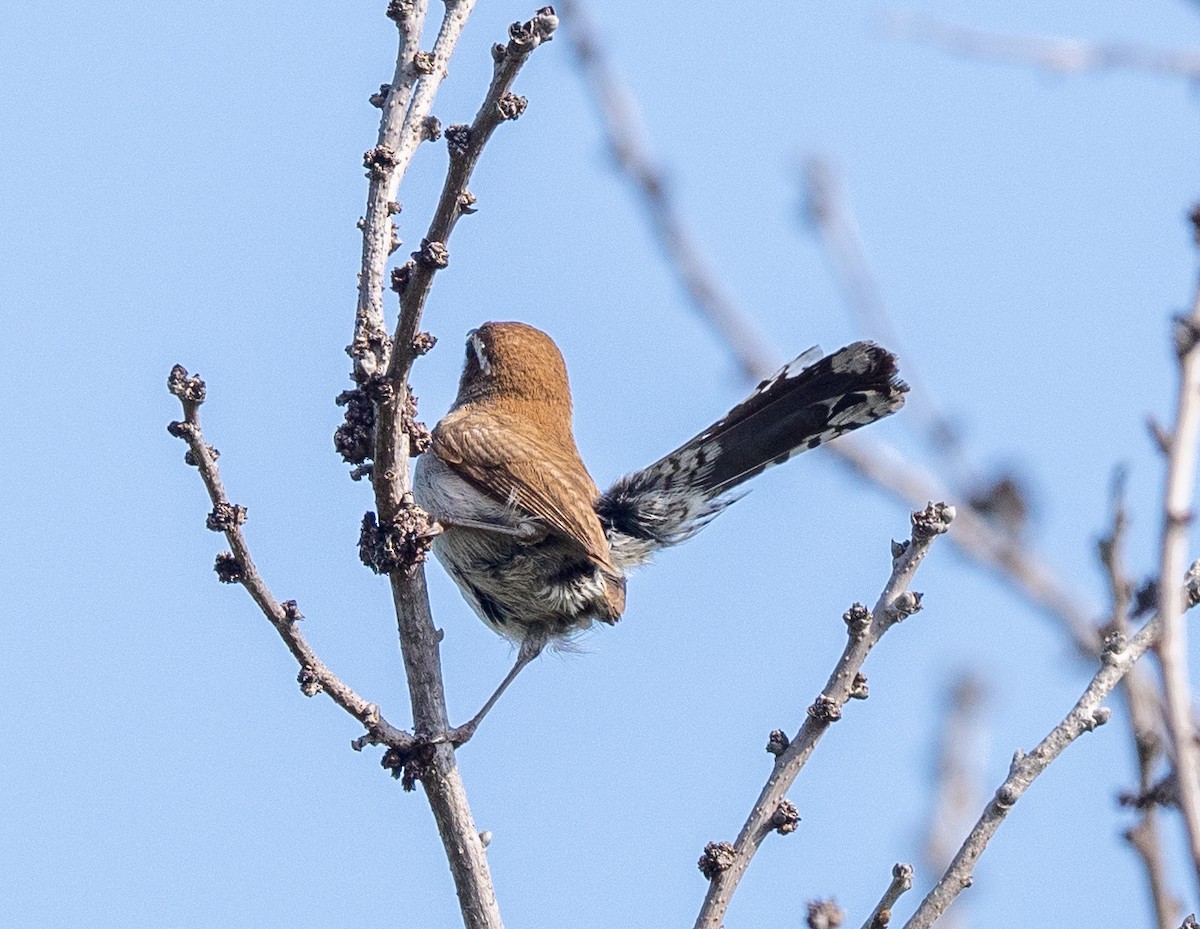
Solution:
(537, 550)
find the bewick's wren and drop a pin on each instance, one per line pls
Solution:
(536, 549)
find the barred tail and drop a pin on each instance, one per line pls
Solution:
(808, 402)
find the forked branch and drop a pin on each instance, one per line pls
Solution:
(414, 280)
(396, 540)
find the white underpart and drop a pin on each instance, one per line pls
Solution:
(449, 498)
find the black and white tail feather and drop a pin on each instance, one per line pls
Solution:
(810, 401)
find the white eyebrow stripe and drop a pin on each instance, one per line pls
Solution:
(480, 354)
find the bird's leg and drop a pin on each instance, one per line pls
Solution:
(531, 647)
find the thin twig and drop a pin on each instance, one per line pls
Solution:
(1117, 659)
(405, 124)
(878, 463)
(1177, 505)
(1111, 550)
(726, 865)
(1086, 715)
(238, 567)
(386, 164)
(1062, 55)
(1144, 713)
(902, 881)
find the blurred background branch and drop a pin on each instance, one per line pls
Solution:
(958, 778)
(1174, 600)
(1144, 714)
(1087, 714)
(828, 210)
(1061, 55)
(980, 539)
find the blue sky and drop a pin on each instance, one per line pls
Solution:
(181, 183)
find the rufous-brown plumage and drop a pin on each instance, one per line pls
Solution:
(538, 551)
(532, 517)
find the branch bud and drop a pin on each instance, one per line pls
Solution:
(187, 389)
(718, 857)
(229, 569)
(824, 709)
(933, 520)
(785, 818)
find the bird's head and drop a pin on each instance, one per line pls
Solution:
(517, 367)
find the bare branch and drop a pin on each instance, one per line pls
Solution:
(1086, 715)
(402, 527)
(386, 164)
(1177, 505)
(1144, 712)
(902, 879)
(238, 567)
(865, 629)
(1117, 659)
(1111, 551)
(980, 540)
(1062, 55)
(404, 125)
